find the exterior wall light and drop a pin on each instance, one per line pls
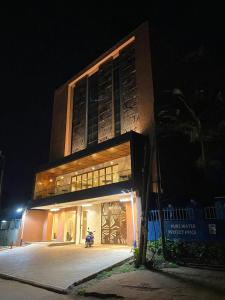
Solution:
(54, 209)
(125, 200)
(4, 221)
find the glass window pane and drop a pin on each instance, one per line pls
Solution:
(108, 179)
(108, 170)
(95, 182)
(102, 172)
(89, 183)
(102, 180)
(115, 169)
(95, 174)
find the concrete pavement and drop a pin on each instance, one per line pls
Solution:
(56, 268)
(177, 283)
(12, 290)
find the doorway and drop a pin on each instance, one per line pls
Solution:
(55, 223)
(70, 226)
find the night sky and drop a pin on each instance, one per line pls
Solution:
(42, 47)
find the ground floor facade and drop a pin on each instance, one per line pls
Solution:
(114, 220)
(96, 189)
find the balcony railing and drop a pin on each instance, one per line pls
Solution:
(83, 185)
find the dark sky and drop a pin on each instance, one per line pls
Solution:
(43, 46)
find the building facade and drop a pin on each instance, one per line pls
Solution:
(101, 120)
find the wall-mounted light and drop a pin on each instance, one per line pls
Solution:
(54, 209)
(93, 168)
(125, 200)
(19, 210)
(50, 180)
(86, 205)
(62, 177)
(4, 221)
(111, 162)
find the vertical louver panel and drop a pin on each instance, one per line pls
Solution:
(105, 115)
(128, 90)
(79, 116)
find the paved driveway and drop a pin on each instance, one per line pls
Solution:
(61, 266)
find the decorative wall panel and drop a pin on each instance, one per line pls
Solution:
(79, 116)
(128, 90)
(105, 112)
(114, 223)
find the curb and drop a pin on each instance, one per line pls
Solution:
(33, 283)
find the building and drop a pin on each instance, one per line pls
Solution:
(101, 118)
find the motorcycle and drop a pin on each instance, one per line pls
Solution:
(89, 240)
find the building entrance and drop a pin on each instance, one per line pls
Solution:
(113, 223)
(70, 226)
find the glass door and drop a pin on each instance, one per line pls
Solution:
(55, 223)
(70, 226)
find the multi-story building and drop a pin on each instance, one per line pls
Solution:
(94, 179)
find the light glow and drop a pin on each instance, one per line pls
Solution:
(125, 200)
(54, 209)
(86, 205)
(19, 210)
(4, 221)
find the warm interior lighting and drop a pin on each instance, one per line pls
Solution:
(50, 180)
(54, 209)
(86, 205)
(93, 168)
(62, 177)
(125, 200)
(111, 162)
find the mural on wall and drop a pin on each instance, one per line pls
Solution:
(105, 116)
(79, 116)
(128, 90)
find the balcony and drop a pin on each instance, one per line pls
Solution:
(102, 168)
(80, 182)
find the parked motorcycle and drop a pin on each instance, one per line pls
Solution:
(89, 240)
